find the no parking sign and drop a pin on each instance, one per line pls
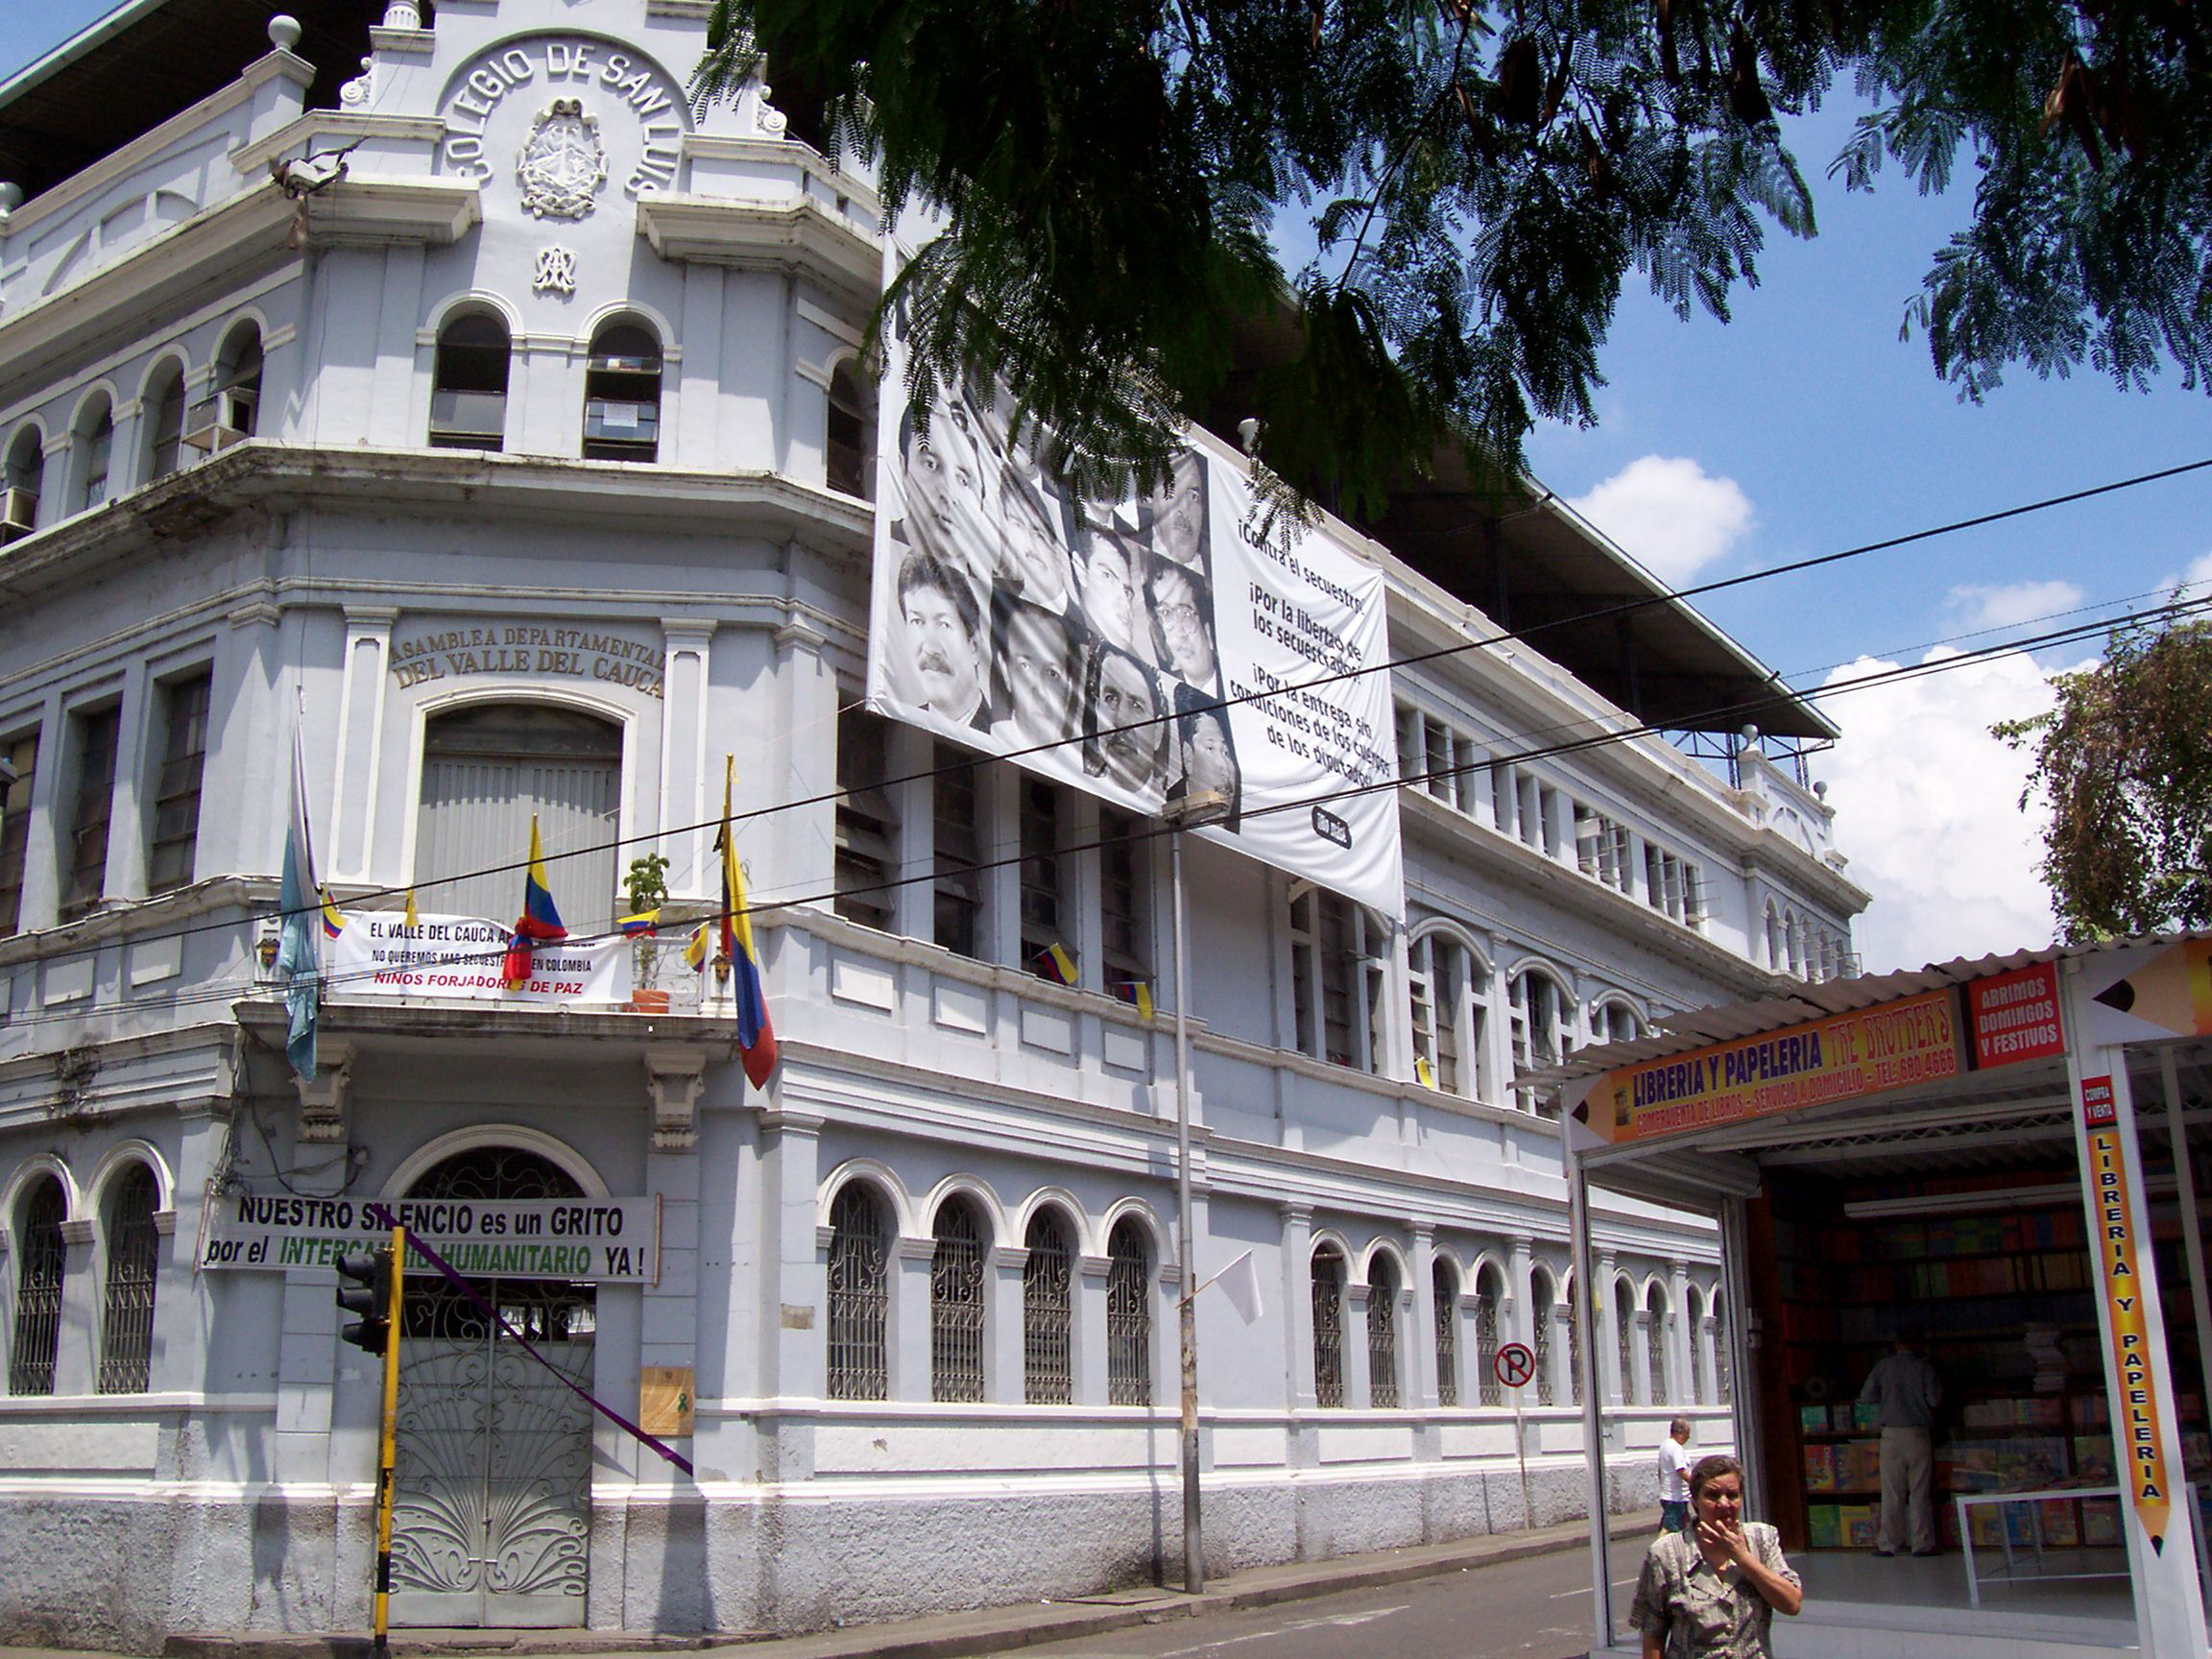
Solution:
(1515, 1365)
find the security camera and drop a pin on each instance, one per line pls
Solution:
(307, 175)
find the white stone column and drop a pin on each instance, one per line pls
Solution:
(76, 1342)
(1421, 1331)
(137, 767)
(687, 772)
(1005, 1372)
(1523, 1276)
(792, 1333)
(1682, 1387)
(357, 766)
(1605, 1327)
(1359, 1386)
(1298, 1306)
(1640, 1355)
(1089, 1336)
(908, 1339)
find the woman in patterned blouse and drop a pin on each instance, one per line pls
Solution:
(1711, 1592)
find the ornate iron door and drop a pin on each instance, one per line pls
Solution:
(491, 1511)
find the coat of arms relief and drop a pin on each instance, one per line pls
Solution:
(564, 163)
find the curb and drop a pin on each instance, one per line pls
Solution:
(949, 1635)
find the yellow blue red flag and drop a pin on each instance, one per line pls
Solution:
(756, 1036)
(539, 923)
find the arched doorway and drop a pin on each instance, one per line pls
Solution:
(492, 1500)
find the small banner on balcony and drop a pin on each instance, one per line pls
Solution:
(378, 953)
(575, 1240)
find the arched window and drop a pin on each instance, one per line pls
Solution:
(1543, 1301)
(1542, 1017)
(127, 1309)
(1574, 1345)
(1723, 1374)
(1047, 1312)
(1382, 1332)
(1128, 1314)
(165, 423)
(849, 450)
(468, 384)
(860, 1295)
(1624, 1334)
(1444, 1289)
(95, 442)
(487, 770)
(1489, 1297)
(957, 1368)
(622, 394)
(25, 477)
(1614, 1021)
(1450, 990)
(1328, 1326)
(1693, 1324)
(1776, 953)
(229, 411)
(1656, 1343)
(42, 1257)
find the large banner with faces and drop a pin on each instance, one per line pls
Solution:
(1139, 649)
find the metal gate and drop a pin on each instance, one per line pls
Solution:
(492, 1502)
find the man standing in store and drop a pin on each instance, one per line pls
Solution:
(1906, 1391)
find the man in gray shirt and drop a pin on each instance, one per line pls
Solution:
(1906, 1389)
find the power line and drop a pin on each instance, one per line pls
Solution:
(223, 991)
(970, 761)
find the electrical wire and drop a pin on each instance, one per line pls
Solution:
(231, 988)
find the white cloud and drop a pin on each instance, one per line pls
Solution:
(1928, 811)
(1669, 515)
(2013, 603)
(2194, 583)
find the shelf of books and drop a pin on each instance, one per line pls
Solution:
(2004, 1299)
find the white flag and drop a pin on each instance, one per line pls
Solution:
(1240, 1282)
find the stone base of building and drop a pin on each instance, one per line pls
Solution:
(123, 1570)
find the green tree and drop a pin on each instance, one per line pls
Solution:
(2126, 762)
(1479, 178)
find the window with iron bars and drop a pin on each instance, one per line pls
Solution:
(957, 1368)
(1383, 1334)
(21, 753)
(1328, 1327)
(1655, 1346)
(1700, 1392)
(866, 861)
(860, 1296)
(1128, 1315)
(1723, 1375)
(1486, 1336)
(1625, 1342)
(1542, 1312)
(127, 1309)
(1574, 1351)
(168, 855)
(38, 1289)
(1047, 1313)
(1444, 1287)
(85, 879)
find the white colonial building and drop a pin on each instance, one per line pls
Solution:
(449, 388)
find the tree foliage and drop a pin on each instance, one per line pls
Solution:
(1479, 179)
(2126, 761)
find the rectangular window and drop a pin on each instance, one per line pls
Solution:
(958, 884)
(22, 753)
(865, 861)
(1693, 895)
(1121, 939)
(1409, 762)
(1335, 988)
(1531, 812)
(1041, 909)
(85, 875)
(169, 858)
(1441, 782)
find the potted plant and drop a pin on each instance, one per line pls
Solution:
(645, 889)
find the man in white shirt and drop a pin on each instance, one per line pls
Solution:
(1675, 1478)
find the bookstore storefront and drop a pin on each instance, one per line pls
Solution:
(2004, 1158)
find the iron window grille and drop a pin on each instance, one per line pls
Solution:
(1723, 1377)
(1128, 1316)
(1048, 1314)
(1655, 1349)
(1383, 1335)
(127, 1309)
(1543, 1314)
(38, 1290)
(1486, 1341)
(956, 1367)
(15, 829)
(1328, 1328)
(97, 736)
(958, 879)
(1700, 1389)
(859, 1297)
(1624, 1341)
(1446, 1291)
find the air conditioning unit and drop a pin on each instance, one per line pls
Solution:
(18, 513)
(215, 423)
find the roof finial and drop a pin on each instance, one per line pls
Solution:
(283, 32)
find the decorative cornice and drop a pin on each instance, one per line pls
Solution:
(800, 239)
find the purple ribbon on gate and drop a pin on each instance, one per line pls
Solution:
(416, 1244)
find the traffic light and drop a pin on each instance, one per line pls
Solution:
(365, 1288)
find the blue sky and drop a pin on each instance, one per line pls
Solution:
(1804, 426)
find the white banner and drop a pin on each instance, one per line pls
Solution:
(1008, 613)
(378, 954)
(600, 1241)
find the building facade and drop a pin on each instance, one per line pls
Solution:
(503, 425)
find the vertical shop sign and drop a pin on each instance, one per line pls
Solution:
(2119, 1248)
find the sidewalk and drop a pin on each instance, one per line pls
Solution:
(938, 1636)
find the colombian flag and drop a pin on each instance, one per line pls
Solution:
(539, 923)
(333, 924)
(755, 1037)
(644, 921)
(1059, 965)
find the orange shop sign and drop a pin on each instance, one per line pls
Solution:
(1844, 1057)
